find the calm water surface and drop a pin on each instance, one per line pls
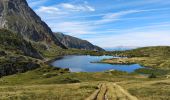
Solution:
(83, 64)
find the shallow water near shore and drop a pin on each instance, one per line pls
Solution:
(82, 63)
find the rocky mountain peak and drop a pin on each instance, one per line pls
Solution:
(17, 16)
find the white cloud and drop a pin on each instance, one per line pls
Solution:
(36, 3)
(48, 9)
(110, 17)
(67, 6)
(75, 7)
(64, 8)
(116, 15)
(90, 8)
(119, 14)
(72, 28)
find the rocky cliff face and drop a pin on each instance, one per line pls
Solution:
(73, 42)
(17, 16)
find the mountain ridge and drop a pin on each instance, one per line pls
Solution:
(76, 43)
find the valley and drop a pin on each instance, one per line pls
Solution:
(39, 64)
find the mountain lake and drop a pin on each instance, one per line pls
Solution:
(83, 63)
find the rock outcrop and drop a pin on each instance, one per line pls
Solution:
(9, 67)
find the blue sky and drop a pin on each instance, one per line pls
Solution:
(109, 23)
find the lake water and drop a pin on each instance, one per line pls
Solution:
(83, 64)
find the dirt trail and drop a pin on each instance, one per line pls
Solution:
(111, 91)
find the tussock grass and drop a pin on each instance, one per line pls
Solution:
(46, 92)
(149, 90)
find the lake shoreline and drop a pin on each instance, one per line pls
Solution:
(87, 63)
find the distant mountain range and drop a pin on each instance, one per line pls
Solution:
(121, 48)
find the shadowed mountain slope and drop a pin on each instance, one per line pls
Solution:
(73, 42)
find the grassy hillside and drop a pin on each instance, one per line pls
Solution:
(155, 59)
(157, 51)
(14, 43)
(16, 54)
